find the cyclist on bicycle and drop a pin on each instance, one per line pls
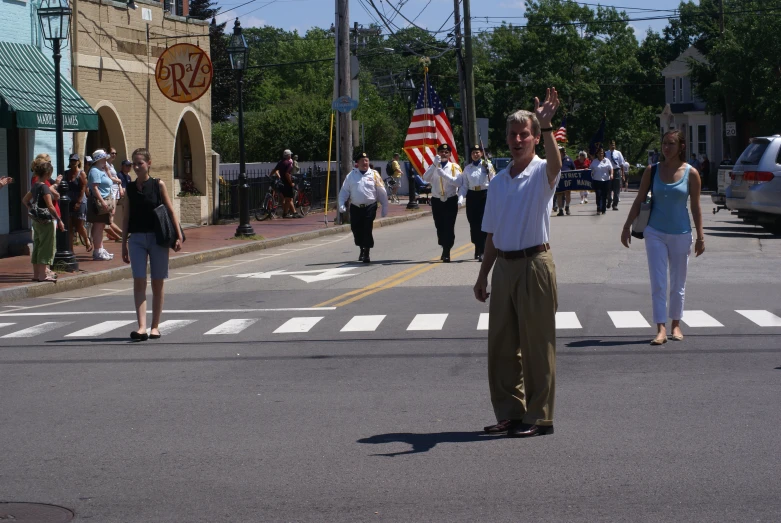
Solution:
(394, 171)
(284, 171)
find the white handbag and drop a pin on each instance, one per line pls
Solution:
(641, 222)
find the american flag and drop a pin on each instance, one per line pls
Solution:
(429, 128)
(561, 134)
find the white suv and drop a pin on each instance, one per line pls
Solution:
(755, 191)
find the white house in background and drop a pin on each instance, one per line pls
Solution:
(684, 110)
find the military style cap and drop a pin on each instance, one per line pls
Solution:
(475, 148)
(362, 155)
(444, 147)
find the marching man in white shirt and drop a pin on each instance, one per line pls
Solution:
(522, 310)
(474, 186)
(364, 188)
(445, 179)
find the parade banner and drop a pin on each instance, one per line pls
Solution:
(579, 180)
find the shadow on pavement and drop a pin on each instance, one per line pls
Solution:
(425, 442)
(602, 343)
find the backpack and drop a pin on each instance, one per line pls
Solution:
(36, 212)
(389, 169)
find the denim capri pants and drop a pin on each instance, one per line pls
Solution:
(141, 245)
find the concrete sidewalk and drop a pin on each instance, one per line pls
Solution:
(203, 244)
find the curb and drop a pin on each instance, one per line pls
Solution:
(35, 290)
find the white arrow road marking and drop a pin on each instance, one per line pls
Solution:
(307, 276)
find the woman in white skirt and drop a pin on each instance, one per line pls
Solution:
(668, 235)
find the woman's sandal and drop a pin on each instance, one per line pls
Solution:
(500, 427)
(135, 335)
(155, 336)
(48, 278)
(657, 341)
(677, 337)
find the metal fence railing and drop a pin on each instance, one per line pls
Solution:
(259, 182)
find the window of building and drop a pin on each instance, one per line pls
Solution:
(674, 97)
(680, 87)
(702, 140)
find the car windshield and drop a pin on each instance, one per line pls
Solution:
(753, 153)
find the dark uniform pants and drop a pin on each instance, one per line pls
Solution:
(475, 208)
(522, 339)
(361, 224)
(445, 220)
(615, 190)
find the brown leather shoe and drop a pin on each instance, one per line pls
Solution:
(524, 430)
(500, 427)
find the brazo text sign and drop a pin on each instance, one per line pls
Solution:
(184, 73)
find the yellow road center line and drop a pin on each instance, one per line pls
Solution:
(392, 281)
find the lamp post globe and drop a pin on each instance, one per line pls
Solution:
(54, 18)
(408, 93)
(238, 51)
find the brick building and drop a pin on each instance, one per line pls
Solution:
(108, 71)
(114, 53)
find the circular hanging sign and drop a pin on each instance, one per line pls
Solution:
(183, 73)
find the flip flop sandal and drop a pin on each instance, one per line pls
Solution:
(500, 427)
(135, 335)
(658, 342)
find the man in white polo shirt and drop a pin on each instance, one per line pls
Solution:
(522, 310)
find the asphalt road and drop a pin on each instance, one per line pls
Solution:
(298, 385)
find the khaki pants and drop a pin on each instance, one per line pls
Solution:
(522, 339)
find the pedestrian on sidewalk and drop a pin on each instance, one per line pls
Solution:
(566, 165)
(77, 192)
(445, 178)
(99, 203)
(582, 162)
(40, 199)
(668, 235)
(124, 180)
(522, 311)
(113, 230)
(617, 162)
(284, 171)
(363, 187)
(601, 177)
(144, 195)
(476, 177)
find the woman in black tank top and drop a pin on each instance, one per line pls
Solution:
(77, 192)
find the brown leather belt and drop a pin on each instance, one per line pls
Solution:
(526, 253)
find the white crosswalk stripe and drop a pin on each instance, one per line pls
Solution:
(231, 327)
(169, 326)
(482, 323)
(35, 330)
(6, 324)
(567, 320)
(761, 318)
(628, 319)
(700, 319)
(427, 322)
(298, 325)
(99, 329)
(363, 323)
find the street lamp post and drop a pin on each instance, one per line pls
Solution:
(238, 51)
(54, 18)
(408, 92)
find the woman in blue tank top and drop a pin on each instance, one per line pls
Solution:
(668, 235)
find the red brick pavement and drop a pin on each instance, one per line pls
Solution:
(16, 271)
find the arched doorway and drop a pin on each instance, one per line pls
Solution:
(110, 133)
(190, 153)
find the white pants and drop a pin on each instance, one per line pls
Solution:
(663, 250)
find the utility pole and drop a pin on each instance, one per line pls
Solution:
(461, 80)
(344, 89)
(469, 75)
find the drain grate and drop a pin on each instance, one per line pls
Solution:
(34, 513)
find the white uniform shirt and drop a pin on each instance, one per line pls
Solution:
(476, 178)
(601, 171)
(364, 189)
(616, 160)
(445, 181)
(517, 211)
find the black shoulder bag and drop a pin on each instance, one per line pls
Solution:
(36, 212)
(165, 233)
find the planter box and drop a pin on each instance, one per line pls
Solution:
(192, 209)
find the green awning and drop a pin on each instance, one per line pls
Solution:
(27, 93)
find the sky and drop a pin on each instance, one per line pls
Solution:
(301, 15)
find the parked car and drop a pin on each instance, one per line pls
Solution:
(755, 189)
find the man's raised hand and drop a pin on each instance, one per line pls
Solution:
(546, 111)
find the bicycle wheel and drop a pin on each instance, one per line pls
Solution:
(304, 203)
(267, 210)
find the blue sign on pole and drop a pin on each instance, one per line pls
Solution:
(344, 104)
